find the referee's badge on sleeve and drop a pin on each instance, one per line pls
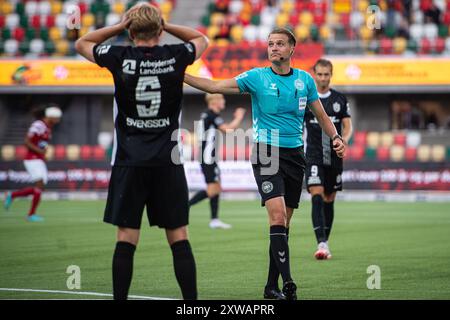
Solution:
(302, 103)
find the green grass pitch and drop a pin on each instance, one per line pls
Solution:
(410, 242)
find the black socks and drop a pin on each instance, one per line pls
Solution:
(122, 269)
(185, 271)
(328, 212)
(318, 218)
(280, 251)
(199, 196)
(272, 278)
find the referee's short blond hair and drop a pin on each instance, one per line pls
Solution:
(145, 23)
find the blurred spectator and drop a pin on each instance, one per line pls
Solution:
(433, 14)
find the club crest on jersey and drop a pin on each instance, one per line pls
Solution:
(273, 86)
(129, 66)
(336, 107)
(299, 85)
(267, 186)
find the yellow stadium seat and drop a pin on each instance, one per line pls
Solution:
(222, 42)
(62, 47)
(400, 45)
(306, 18)
(8, 152)
(342, 6)
(6, 8)
(438, 153)
(54, 33)
(118, 7)
(423, 153)
(373, 139)
(166, 7)
(87, 20)
(302, 32)
(217, 19)
(56, 7)
(383, 5)
(387, 139)
(282, 19)
(365, 33)
(212, 31)
(73, 152)
(325, 32)
(83, 31)
(363, 5)
(50, 152)
(397, 153)
(287, 6)
(237, 33)
(332, 18)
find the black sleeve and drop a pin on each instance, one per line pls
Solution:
(345, 111)
(184, 53)
(108, 56)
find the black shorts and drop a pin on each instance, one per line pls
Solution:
(211, 172)
(163, 190)
(286, 179)
(328, 177)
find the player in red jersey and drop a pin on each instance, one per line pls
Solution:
(36, 142)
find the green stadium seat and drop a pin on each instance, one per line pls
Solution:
(30, 33)
(20, 8)
(6, 33)
(448, 154)
(371, 153)
(256, 20)
(206, 21)
(24, 46)
(443, 31)
(49, 47)
(43, 34)
(23, 21)
(412, 45)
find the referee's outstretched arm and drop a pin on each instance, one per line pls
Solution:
(212, 86)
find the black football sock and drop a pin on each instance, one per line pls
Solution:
(272, 278)
(328, 212)
(122, 269)
(214, 203)
(185, 271)
(280, 251)
(318, 218)
(199, 196)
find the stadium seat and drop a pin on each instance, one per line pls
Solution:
(373, 139)
(400, 45)
(11, 47)
(12, 21)
(6, 7)
(31, 8)
(387, 139)
(302, 32)
(37, 46)
(430, 31)
(386, 46)
(237, 33)
(85, 152)
(416, 31)
(60, 152)
(383, 153)
(50, 152)
(359, 138)
(98, 153)
(356, 152)
(8, 152)
(87, 20)
(413, 139)
(55, 33)
(410, 154)
(400, 139)
(56, 7)
(370, 153)
(306, 18)
(45, 8)
(397, 153)
(438, 153)
(62, 47)
(423, 153)
(73, 152)
(20, 152)
(282, 19)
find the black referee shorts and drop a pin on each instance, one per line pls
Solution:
(163, 190)
(285, 180)
(211, 172)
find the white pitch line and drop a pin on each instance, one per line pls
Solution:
(84, 293)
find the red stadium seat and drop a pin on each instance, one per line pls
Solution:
(383, 153)
(356, 152)
(425, 46)
(60, 152)
(360, 138)
(2, 21)
(410, 154)
(98, 153)
(400, 139)
(446, 18)
(85, 152)
(50, 21)
(439, 45)
(19, 34)
(386, 46)
(20, 152)
(35, 21)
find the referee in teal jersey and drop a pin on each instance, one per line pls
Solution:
(279, 95)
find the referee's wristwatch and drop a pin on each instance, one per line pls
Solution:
(337, 136)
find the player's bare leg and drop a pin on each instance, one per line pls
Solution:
(213, 190)
(318, 220)
(183, 262)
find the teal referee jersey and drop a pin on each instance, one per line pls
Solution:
(278, 104)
